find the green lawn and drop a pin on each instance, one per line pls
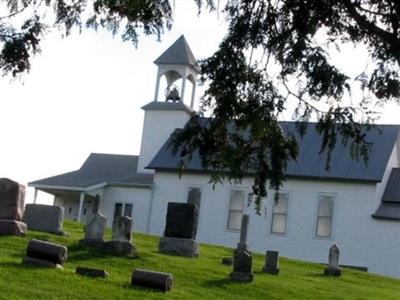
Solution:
(202, 278)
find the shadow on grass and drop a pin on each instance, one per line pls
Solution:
(143, 289)
(219, 283)
(13, 264)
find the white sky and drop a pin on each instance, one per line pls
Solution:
(84, 95)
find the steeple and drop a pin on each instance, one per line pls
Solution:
(177, 62)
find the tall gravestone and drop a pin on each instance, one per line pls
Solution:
(120, 243)
(46, 218)
(94, 231)
(12, 200)
(180, 230)
(333, 264)
(243, 260)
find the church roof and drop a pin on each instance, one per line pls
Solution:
(311, 164)
(178, 53)
(167, 105)
(390, 207)
(100, 169)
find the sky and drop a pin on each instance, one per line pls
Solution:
(84, 95)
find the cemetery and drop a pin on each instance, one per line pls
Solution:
(92, 263)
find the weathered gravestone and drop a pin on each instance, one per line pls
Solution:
(121, 238)
(180, 230)
(271, 262)
(12, 200)
(151, 279)
(243, 260)
(333, 264)
(94, 232)
(45, 218)
(45, 254)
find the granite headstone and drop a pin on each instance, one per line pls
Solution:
(12, 200)
(271, 262)
(243, 260)
(44, 218)
(333, 263)
(180, 230)
(94, 231)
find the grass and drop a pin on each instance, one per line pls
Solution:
(201, 278)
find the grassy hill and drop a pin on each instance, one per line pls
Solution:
(201, 278)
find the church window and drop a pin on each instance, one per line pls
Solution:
(236, 206)
(279, 214)
(325, 214)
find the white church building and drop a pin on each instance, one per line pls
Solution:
(352, 205)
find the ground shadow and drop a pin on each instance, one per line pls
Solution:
(218, 283)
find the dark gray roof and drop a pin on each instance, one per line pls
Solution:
(392, 189)
(310, 164)
(388, 211)
(390, 206)
(158, 105)
(178, 53)
(100, 168)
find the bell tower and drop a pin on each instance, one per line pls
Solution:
(177, 62)
(165, 114)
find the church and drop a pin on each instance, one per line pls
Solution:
(354, 206)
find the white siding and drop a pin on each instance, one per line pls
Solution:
(157, 127)
(363, 241)
(140, 199)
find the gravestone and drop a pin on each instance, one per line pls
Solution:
(151, 279)
(243, 260)
(45, 218)
(271, 262)
(94, 232)
(45, 254)
(121, 238)
(180, 230)
(12, 200)
(333, 264)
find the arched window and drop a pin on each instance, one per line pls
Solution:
(236, 206)
(279, 214)
(325, 215)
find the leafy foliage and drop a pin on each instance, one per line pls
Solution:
(275, 54)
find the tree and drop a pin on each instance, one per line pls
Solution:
(274, 53)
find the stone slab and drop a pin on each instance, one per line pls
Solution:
(12, 200)
(181, 221)
(91, 272)
(178, 246)
(47, 251)
(241, 277)
(12, 227)
(44, 218)
(41, 263)
(97, 244)
(152, 279)
(335, 272)
(119, 248)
